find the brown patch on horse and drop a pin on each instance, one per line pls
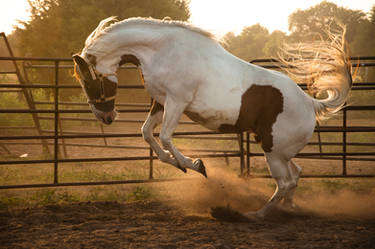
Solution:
(156, 107)
(260, 106)
(129, 58)
(195, 117)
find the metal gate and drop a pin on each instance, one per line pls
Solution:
(244, 152)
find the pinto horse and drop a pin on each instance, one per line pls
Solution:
(187, 71)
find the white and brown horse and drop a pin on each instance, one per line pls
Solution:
(187, 71)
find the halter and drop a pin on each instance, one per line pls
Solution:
(99, 78)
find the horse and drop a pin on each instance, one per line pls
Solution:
(186, 70)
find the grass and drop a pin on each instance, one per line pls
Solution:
(16, 199)
(78, 172)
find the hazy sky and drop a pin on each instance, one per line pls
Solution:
(217, 16)
(222, 16)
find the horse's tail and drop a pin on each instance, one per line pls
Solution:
(325, 67)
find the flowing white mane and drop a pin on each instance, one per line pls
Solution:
(104, 26)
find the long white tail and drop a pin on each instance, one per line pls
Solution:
(325, 67)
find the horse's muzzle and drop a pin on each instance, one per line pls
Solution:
(108, 121)
(105, 117)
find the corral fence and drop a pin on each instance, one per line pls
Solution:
(57, 148)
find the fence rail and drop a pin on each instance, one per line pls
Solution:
(57, 135)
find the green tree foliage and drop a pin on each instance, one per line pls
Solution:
(314, 20)
(254, 42)
(58, 28)
(364, 42)
(272, 46)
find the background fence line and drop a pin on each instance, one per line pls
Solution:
(58, 134)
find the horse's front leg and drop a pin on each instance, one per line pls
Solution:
(155, 118)
(172, 113)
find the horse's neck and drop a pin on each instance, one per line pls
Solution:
(138, 41)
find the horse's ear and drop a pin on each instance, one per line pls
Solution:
(82, 66)
(79, 61)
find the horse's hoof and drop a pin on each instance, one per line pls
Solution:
(255, 216)
(198, 164)
(183, 169)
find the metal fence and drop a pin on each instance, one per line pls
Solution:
(244, 152)
(59, 135)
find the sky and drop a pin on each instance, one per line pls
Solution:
(216, 16)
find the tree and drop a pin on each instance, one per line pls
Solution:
(273, 44)
(360, 28)
(58, 28)
(249, 43)
(312, 21)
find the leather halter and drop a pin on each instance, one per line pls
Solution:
(99, 78)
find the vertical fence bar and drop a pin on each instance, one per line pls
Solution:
(61, 128)
(242, 159)
(151, 154)
(62, 140)
(344, 125)
(56, 139)
(151, 171)
(248, 153)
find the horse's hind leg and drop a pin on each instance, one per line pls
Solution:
(285, 182)
(295, 172)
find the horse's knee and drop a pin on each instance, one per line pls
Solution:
(165, 141)
(146, 134)
(165, 157)
(296, 170)
(285, 186)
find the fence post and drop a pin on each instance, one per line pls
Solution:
(56, 139)
(242, 159)
(248, 153)
(151, 171)
(151, 154)
(344, 125)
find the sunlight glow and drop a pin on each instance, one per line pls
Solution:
(217, 16)
(222, 16)
(10, 12)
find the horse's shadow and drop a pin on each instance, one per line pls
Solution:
(278, 215)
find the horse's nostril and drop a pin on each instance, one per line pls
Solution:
(109, 120)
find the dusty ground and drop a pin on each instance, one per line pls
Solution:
(348, 222)
(153, 224)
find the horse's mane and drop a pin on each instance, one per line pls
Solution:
(105, 26)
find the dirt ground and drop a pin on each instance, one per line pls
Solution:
(155, 224)
(346, 223)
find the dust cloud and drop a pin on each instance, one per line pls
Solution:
(224, 188)
(344, 203)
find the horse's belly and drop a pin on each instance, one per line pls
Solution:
(213, 112)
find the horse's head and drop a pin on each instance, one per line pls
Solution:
(100, 88)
